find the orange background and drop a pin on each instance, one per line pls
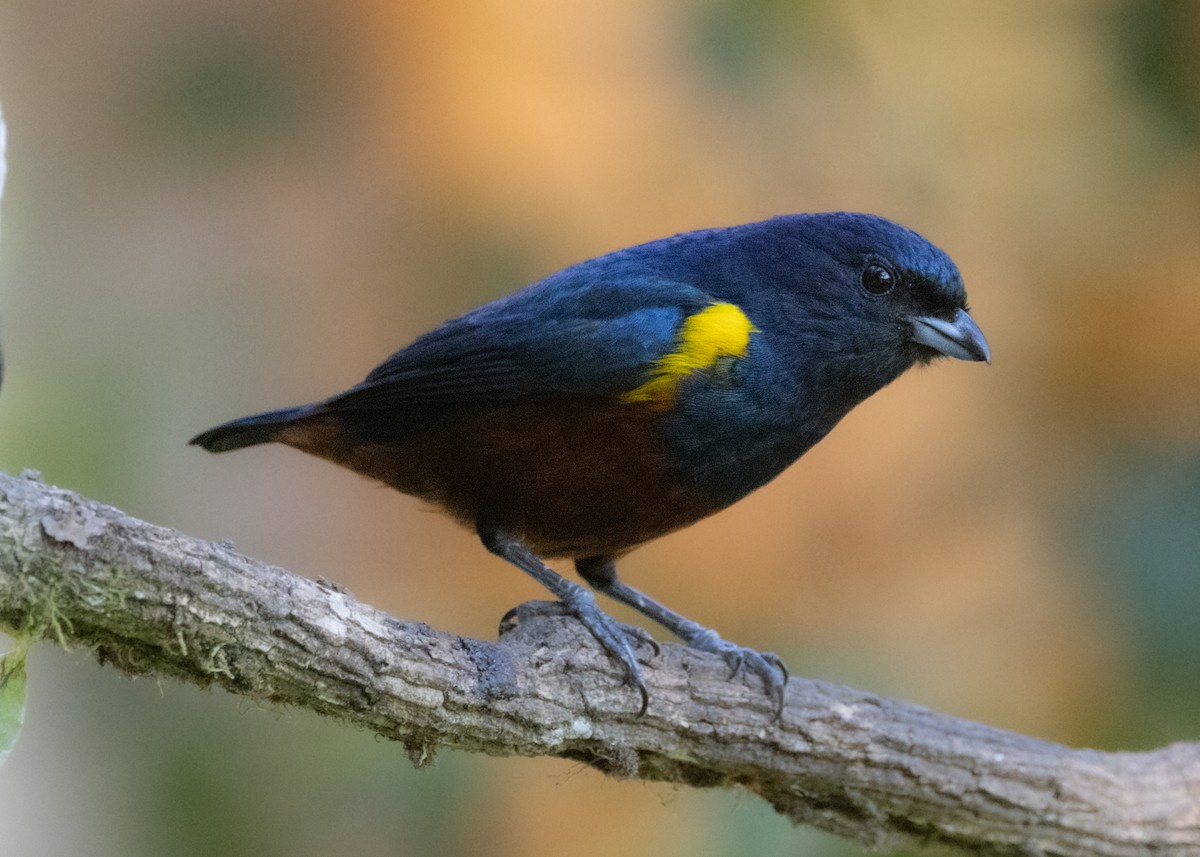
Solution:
(216, 208)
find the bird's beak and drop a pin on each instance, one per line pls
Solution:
(960, 337)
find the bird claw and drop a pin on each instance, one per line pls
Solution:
(529, 609)
(640, 636)
(614, 636)
(742, 660)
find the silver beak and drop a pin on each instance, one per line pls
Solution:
(960, 337)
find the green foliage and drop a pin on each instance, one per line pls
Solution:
(12, 699)
(1157, 41)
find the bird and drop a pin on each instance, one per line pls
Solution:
(635, 393)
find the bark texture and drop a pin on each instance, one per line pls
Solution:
(887, 774)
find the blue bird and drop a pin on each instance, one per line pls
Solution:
(637, 392)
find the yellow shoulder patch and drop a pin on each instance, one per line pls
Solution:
(717, 331)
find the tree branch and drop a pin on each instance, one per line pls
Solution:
(884, 773)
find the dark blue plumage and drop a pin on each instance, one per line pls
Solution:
(635, 393)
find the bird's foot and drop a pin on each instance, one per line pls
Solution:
(531, 609)
(741, 659)
(616, 637)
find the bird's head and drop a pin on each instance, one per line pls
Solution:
(875, 297)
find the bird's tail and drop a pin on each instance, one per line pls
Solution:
(249, 431)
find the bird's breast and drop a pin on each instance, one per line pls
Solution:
(736, 426)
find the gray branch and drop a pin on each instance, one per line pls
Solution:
(886, 774)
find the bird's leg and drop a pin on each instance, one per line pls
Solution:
(601, 573)
(582, 603)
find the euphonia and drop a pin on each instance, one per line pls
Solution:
(635, 393)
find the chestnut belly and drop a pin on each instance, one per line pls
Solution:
(576, 478)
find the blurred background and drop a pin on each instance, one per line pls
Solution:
(221, 207)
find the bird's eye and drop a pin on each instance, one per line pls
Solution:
(877, 279)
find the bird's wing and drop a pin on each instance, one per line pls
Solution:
(568, 335)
